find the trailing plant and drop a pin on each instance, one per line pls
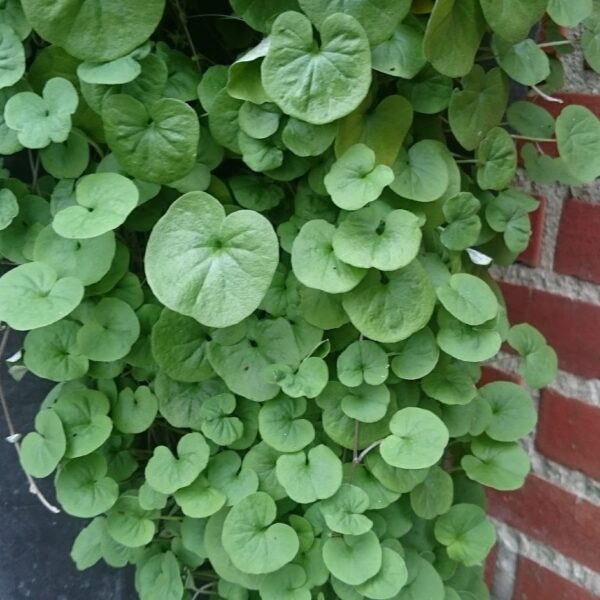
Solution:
(252, 247)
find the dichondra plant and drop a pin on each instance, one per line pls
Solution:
(250, 243)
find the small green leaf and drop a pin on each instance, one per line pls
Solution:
(434, 495)
(167, 474)
(466, 533)
(418, 439)
(362, 361)
(289, 583)
(225, 473)
(376, 236)
(254, 544)
(179, 346)
(497, 160)
(451, 383)
(530, 119)
(355, 179)
(464, 224)
(469, 299)
(51, 352)
(104, 201)
(343, 512)
(499, 465)
(83, 489)
(353, 559)
(9, 208)
(453, 35)
(240, 248)
(540, 363)
(40, 120)
(513, 19)
(12, 61)
(83, 413)
(310, 477)
(479, 106)
(315, 263)
(42, 449)
(417, 356)
(341, 64)
(421, 172)
(513, 413)
(389, 580)
(134, 411)
(366, 403)
(128, 523)
(401, 55)
(280, 426)
(200, 499)
(109, 330)
(525, 62)
(34, 295)
(217, 424)
(156, 144)
(160, 577)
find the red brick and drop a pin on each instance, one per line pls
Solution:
(491, 374)
(553, 516)
(490, 566)
(568, 432)
(578, 246)
(572, 327)
(533, 254)
(591, 101)
(534, 582)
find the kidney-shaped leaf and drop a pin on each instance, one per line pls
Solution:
(94, 29)
(166, 473)
(209, 266)
(83, 488)
(343, 512)
(33, 295)
(104, 201)
(12, 56)
(317, 84)
(469, 299)
(418, 439)
(39, 120)
(42, 449)
(466, 533)
(254, 544)
(392, 306)
(156, 144)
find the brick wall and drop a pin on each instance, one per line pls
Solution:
(549, 532)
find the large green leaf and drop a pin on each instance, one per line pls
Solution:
(453, 34)
(418, 439)
(42, 449)
(210, 266)
(315, 263)
(479, 106)
(353, 558)
(378, 18)
(578, 137)
(254, 543)
(302, 76)
(33, 295)
(469, 299)
(378, 237)
(76, 26)
(513, 19)
(156, 143)
(390, 307)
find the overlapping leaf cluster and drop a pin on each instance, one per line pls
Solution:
(253, 253)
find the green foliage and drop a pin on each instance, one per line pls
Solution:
(253, 253)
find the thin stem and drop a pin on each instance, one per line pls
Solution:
(356, 438)
(169, 518)
(533, 139)
(552, 44)
(183, 21)
(234, 17)
(467, 161)
(366, 451)
(34, 165)
(33, 488)
(545, 96)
